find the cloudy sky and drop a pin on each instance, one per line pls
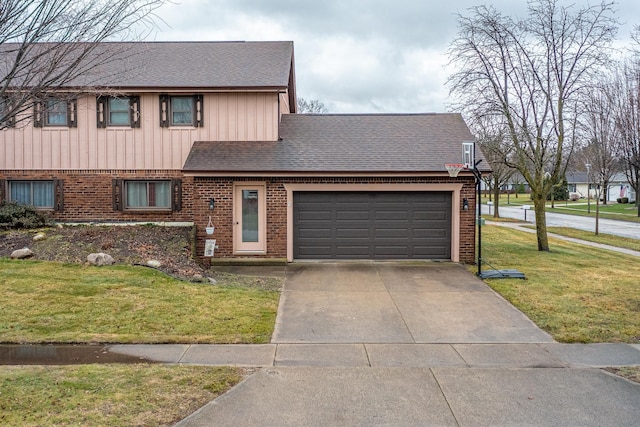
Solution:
(363, 56)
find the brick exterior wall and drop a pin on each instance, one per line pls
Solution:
(88, 196)
(221, 188)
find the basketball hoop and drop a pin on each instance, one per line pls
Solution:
(454, 168)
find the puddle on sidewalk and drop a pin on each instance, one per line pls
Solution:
(63, 355)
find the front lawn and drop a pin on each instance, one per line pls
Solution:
(108, 395)
(575, 292)
(63, 303)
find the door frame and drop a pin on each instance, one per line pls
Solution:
(455, 190)
(250, 248)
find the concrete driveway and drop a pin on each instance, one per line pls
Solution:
(395, 303)
(498, 368)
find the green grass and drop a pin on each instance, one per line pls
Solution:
(606, 239)
(113, 395)
(575, 292)
(60, 303)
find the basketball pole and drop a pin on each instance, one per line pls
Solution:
(478, 177)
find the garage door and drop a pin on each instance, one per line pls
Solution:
(372, 225)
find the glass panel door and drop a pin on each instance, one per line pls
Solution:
(249, 235)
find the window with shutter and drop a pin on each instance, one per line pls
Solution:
(118, 111)
(181, 110)
(39, 194)
(55, 112)
(7, 117)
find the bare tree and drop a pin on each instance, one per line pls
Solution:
(48, 45)
(529, 74)
(495, 147)
(598, 125)
(311, 106)
(628, 122)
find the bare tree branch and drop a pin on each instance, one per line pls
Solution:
(529, 75)
(48, 45)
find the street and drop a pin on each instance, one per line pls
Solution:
(606, 226)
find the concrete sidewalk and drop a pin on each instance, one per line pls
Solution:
(542, 355)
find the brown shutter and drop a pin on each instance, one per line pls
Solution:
(176, 195)
(117, 192)
(38, 114)
(58, 195)
(134, 111)
(101, 111)
(72, 113)
(3, 189)
(7, 109)
(198, 103)
(164, 111)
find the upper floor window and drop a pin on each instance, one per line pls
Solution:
(39, 194)
(54, 111)
(181, 110)
(118, 111)
(7, 119)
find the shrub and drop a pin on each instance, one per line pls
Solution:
(623, 200)
(15, 215)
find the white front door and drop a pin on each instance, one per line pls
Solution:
(249, 233)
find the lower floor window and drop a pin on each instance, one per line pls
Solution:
(35, 193)
(148, 194)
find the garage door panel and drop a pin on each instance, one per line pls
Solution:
(378, 225)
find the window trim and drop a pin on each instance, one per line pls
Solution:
(125, 202)
(166, 110)
(41, 113)
(103, 116)
(57, 193)
(119, 197)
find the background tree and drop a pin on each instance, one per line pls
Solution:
(310, 106)
(627, 92)
(46, 45)
(530, 74)
(494, 144)
(598, 125)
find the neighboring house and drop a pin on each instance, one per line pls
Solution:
(207, 133)
(580, 183)
(577, 183)
(619, 187)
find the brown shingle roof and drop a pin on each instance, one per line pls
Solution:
(375, 143)
(205, 65)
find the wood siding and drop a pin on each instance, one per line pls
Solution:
(227, 117)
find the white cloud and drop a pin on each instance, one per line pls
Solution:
(364, 56)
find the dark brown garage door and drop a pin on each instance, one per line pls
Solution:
(372, 225)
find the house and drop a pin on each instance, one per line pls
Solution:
(619, 187)
(582, 184)
(207, 133)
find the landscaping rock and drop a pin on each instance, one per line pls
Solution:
(21, 253)
(100, 259)
(198, 278)
(212, 280)
(153, 263)
(39, 236)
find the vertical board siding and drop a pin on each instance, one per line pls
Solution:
(227, 117)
